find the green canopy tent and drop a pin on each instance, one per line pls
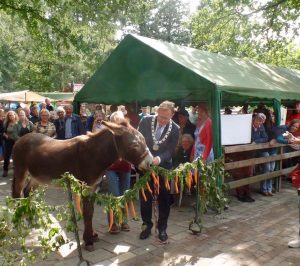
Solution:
(147, 70)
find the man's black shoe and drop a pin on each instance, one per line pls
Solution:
(162, 235)
(249, 199)
(145, 233)
(242, 198)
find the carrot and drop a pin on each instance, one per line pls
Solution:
(120, 216)
(167, 185)
(176, 184)
(157, 179)
(111, 219)
(190, 179)
(132, 210)
(148, 187)
(143, 194)
(154, 178)
(77, 203)
(126, 210)
(196, 175)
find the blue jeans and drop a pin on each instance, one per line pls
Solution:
(266, 185)
(118, 182)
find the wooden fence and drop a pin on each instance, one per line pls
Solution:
(279, 157)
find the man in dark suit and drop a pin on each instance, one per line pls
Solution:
(161, 135)
(73, 124)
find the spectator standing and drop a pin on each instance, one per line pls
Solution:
(161, 135)
(203, 146)
(259, 135)
(49, 106)
(24, 126)
(83, 118)
(34, 114)
(118, 176)
(9, 138)
(144, 112)
(90, 119)
(131, 116)
(193, 116)
(44, 126)
(295, 115)
(98, 117)
(60, 123)
(73, 124)
(2, 117)
(186, 127)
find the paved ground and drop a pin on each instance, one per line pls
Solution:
(247, 234)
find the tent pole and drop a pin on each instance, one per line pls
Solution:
(216, 125)
(277, 110)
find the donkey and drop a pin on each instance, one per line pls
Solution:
(86, 157)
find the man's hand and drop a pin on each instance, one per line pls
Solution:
(156, 160)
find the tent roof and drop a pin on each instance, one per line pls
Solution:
(59, 96)
(145, 69)
(21, 96)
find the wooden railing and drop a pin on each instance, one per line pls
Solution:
(279, 157)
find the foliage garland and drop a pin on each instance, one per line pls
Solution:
(20, 216)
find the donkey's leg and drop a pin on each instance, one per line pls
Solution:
(88, 211)
(31, 186)
(18, 181)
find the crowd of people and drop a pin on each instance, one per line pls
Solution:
(264, 131)
(173, 135)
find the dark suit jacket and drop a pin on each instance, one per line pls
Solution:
(167, 148)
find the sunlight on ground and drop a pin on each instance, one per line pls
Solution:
(222, 258)
(3, 183)
(121, 249)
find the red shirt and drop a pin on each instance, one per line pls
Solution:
(120, 166)
(291, 117)
(205, 137)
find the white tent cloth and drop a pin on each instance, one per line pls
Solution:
(22, 96)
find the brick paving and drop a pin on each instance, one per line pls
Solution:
(246, 234)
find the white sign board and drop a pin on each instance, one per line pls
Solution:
(283, 115)
(236, 129)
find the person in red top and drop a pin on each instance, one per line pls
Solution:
(132, 117)
(203, 146)
(118, 176)
(295, 115)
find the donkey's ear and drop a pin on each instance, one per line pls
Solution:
(114, 128)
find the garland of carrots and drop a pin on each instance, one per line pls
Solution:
(185, 173)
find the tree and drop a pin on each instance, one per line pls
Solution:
(164, 20)
(47, 44)
(261, 30)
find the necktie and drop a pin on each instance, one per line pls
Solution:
(158, 132)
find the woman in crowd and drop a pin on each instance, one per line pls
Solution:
(259, 135)
(24, 126)
(118, 176)
(2, 117)
(203, 136)
(60, 123)
(98, 117)
(9, 138)
(44, 126)
(280, 132)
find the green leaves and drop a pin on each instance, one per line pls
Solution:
(19, 219)
(259, 30)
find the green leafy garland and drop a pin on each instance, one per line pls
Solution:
(211, 194)
(20, 216)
